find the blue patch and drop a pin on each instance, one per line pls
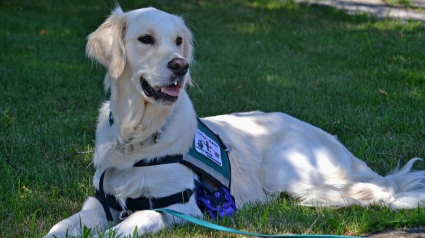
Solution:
(218, 204)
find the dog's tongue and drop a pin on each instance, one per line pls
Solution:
(172, 90)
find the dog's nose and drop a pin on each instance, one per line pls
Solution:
(178, 66)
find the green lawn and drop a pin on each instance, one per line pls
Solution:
(359, 78)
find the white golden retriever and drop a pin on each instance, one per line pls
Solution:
(148, 54)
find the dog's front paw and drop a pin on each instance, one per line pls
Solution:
(62, 230)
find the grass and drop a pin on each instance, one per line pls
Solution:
(354, 76)
(405, 3)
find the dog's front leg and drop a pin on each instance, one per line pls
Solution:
(149, 221)
(91, 216)
(146, 221)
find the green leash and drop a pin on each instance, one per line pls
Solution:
(226, 229)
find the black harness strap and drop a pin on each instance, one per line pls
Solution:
(146, 203)
(142, 203)
(101, 196)
(169, 159)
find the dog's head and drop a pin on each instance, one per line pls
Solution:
(152, 46)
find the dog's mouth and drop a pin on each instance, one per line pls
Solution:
(168, 93)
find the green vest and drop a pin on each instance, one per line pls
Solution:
(208, 156)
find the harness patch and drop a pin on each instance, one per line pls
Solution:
(208, 147)
(208, 156)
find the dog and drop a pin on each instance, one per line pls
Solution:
(148, 54)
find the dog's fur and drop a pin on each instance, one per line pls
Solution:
(271, 152)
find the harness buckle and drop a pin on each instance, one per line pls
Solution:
(188, 194)
(124, 214)
(183, 197)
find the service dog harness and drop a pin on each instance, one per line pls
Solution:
(207, 157)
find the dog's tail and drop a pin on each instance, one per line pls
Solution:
(400, 189)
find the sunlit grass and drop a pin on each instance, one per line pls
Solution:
(356, 77)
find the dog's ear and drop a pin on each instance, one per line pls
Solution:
(106, 44)
(188, 49)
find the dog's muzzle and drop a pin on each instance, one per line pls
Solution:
(168, 93)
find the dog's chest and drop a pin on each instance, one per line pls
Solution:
(154, 181)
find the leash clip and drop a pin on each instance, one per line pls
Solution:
(124, 214)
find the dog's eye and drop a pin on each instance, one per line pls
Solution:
(179, 41)
(146, 39)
